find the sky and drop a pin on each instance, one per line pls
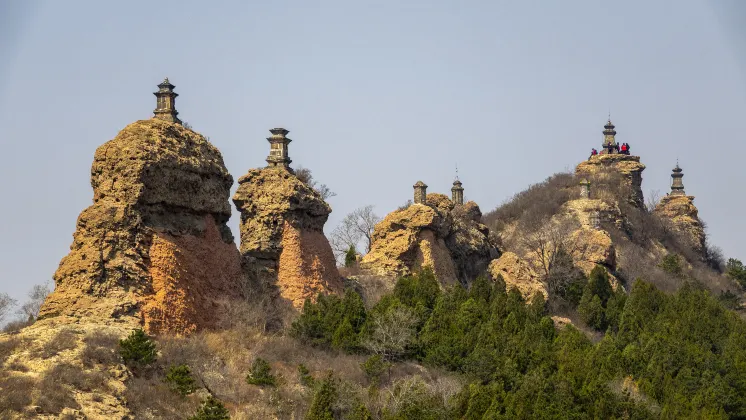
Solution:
(376, 95)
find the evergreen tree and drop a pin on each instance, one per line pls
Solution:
(351, 257)
(322, 405)
(211, 409)
(179, 378)
(137, 349)
(260, 373)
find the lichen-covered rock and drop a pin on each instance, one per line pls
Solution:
(592, 247)
(154, 248)
(605, 166)
(448, 238)
(684, 216)
(282, 239)
(519, 274)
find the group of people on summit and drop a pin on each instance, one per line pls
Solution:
(612, 148)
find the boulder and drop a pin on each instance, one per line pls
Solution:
(519, 274)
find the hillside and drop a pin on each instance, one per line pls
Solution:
(575, 298)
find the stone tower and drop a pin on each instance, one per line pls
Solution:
(420, 193)
(585, 189)
(278, 149)
(457, 193)
(166, 103)
(677, 185)
(609, 134)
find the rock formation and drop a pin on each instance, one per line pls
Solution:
(679, 208)
(519, 274)
(282, 237)
(610, 169)
(154, 248)
(446, 237)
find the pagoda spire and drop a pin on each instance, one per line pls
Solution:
(278, 149)
(609, 133)
(166, 103)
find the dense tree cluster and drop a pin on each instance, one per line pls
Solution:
(662, 356)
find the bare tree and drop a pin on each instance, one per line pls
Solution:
(393, 332)
(36, 298)
(6, 304)
(356, 227)
(305, 176)
(653, 199)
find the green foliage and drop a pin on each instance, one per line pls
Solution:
(331, 321)
(374, 367)
(734, 269)
(671, 264)
(260, 374)
(324, 400)
(729, 299)
(179, 378)
(137, 349)
(596, 297)
(351, 257)
(304, 376)
(360, 412)
(211, 409)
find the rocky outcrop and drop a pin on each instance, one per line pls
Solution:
(519, 274)
(604, 170)
(154, 248)
(282, 240)
(684, 216)
(450, 239)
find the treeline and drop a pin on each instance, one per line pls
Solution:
(662, 356)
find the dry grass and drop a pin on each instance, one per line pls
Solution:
(7, 347)
(150, 398)
(100, 348)
(66, 339)
(77, 377)
(52, 397)
(16, 393)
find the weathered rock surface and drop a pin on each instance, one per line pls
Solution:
(154, 248)
(684, 216)
(282, 239)
(604, 167)
(449, 239)
(519, 274)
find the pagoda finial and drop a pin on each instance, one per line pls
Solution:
(166, 103)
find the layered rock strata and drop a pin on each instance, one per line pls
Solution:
(607, 170)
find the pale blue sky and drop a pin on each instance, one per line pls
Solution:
(377, 95)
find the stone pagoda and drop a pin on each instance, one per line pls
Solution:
(278, 151)
(420, 193)
(677, 185)
(609, 139)
(166, 103)
(457, 192)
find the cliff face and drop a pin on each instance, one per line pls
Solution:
(450, 239)
(282, 239)
(684, 216)
(519, 274)
(603, 168)
(154, 248)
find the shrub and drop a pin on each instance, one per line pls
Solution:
(671, 264)
(211, 409)
(374, 367)
(304, 376)
(180, 380)
(350, 256)
(137, 349)
(52, 396)
(66, 373)
(259, 374)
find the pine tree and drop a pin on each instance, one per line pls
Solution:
(351, 257)
(211, 409)
(180, 379)
(324, 400)
(137, 349)
(259, 374)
